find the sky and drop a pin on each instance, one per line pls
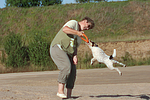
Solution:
(2, 2)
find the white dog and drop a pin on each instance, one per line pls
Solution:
(101, 57)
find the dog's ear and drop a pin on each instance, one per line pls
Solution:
(92, 44)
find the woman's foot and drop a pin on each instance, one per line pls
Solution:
(61, 95)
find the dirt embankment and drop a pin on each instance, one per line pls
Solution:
(137, 49)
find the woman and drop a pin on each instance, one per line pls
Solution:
(63, 51)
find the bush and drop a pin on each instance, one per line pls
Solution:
(3, 59)
(18, 57)
(39, 51)
(12, 41)
(128, 60)
(17, 54)
(36, 53)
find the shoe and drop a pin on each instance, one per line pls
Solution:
(61, 95)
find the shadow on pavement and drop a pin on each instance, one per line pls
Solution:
(73, 97)
(143, 96)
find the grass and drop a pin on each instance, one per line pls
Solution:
(112, 19)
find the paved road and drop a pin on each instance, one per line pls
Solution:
(91, 84)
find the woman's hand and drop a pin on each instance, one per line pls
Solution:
(75, 59)
(80, 33)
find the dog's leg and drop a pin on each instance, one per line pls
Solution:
(118, 71)
(114, 61)
(93, 60)
(110, 66)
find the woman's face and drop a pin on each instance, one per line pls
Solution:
(85, 25)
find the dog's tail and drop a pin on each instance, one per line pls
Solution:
(114, 54)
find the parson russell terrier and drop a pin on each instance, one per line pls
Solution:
(101, 57)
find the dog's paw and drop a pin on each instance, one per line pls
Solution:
(124, 66)
(120, 74)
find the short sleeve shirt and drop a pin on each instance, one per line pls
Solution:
(68, 42)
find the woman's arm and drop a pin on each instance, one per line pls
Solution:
(69, 30)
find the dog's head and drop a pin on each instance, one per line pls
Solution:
(92, 44)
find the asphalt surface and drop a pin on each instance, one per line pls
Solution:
(91, 84)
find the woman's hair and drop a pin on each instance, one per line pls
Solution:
(89, 20)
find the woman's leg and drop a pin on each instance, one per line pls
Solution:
(69, 92)
(71, 78)
(63, 63)
(61, 88)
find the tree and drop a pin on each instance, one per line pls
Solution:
(100, 0)
(85, 1)
(31, 3)
(82, 1)
(50, 2)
